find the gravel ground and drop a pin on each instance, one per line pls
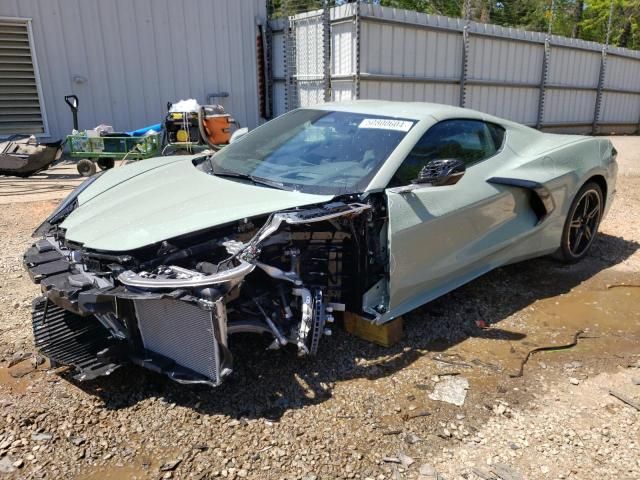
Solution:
(358, 410)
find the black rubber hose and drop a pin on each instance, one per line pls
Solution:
(183, 254)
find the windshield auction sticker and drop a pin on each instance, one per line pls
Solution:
(386, 124)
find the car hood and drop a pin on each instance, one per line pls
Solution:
(153, 200)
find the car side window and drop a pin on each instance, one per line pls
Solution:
(468, 140)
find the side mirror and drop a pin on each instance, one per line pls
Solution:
(441, 172)
(238, 134)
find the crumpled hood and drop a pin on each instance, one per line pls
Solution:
(153, 200)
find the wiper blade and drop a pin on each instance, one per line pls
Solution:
(251, 178)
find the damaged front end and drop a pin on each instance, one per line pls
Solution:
(172, 307)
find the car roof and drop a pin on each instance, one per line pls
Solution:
(409, 110)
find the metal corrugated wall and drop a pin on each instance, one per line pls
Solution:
(129, 58)
(545, 81)
(278, 67)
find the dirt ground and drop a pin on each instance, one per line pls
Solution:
(357, 410)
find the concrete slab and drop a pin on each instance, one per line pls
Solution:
(52, 184)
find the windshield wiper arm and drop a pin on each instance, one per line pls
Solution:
(244, 176)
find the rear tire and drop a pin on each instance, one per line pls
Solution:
(581, 225)
(105, 163)
(86, 167)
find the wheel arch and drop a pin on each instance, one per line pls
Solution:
(602, 183)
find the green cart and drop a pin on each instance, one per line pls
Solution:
(105, 150)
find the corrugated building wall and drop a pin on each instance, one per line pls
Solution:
(126, 59)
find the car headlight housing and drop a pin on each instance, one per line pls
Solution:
(62, 211)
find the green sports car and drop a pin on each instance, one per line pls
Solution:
(371, 207)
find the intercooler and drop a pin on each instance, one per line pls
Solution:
(182, 332)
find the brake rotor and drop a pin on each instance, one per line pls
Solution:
(318, 321)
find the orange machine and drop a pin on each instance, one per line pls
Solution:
(209, 126)
(216, 124)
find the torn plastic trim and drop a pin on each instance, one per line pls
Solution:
(320, 214)
(233, 276)
(246, 254)
(278, 274)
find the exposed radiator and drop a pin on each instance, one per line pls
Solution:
(181, 332)
(71, 339)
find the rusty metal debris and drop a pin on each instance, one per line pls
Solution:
(520, 372)
(625, 399)
(484, 475)
(505, 472)
(416, 414)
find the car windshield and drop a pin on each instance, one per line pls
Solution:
(314, 151)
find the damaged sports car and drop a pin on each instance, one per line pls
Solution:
(371, 207)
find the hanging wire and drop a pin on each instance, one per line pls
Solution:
(466, 10)
(552, 14)
(608, 36)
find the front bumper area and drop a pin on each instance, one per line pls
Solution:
(86, 321)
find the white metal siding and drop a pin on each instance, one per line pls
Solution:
(309, 54)
(343, 49)
(137, 55)
(517, 104)
(569, 106)
(622, 73)
(278, 70)
(410, 92)
(574, 67)
(410, 56)
(398, 50)
(504, 60)
(620, 108)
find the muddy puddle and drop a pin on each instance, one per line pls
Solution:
(128, 472)
(597, 320)
(19, 378)
(604, 312)
(14, 385)
(141, 467)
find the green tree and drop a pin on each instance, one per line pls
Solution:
(625, 22)
(449, 8)
(585, 19)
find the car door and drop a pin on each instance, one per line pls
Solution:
(441, 237)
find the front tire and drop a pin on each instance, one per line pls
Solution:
(581, 225)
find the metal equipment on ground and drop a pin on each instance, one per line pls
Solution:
(24, 155)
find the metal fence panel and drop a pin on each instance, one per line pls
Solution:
(517, 104)
(620, 108)
(622, 73)
(343, 54)
(504, 60)
(342, 90)
(569, 106)
(409, 17)
(278, 57)
(576, 68)
(409, 91)
(279, 101)
(395, 49)
(530, 77)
